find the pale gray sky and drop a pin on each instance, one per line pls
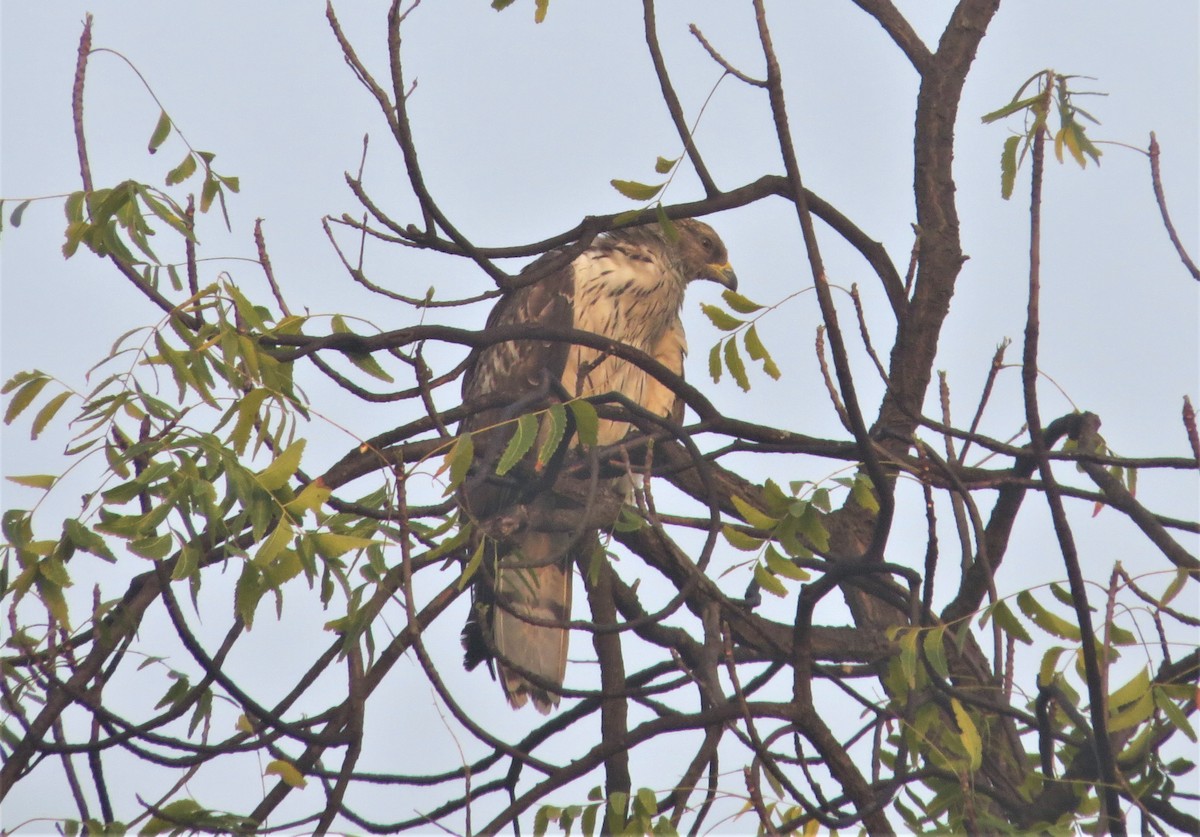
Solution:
(521, 127)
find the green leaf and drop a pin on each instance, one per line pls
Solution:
(721, 318)
(554, 425)
(182, 171)
(1137, 686)
(968, 734)
(174, 814)
(333, 545)
(540, 9)
(1181, 577)
(520, 443)
(769, 582)
(24, 397)
(1009, 623)
(587, 421)
(250, 589)
(666, 224)
(636, 191)
(908, 657)
(934, 646)
(275, 543)
(1011, 108)
(367, 363)
(662, 165)
(714, 362)
(1046, 672)
(1008, 166)
(161, 131)
(48, 412)
(277, 474)
(733, 361)
(153, 548)
(1046, 620)
(1133, 714)
(39, 481)
(459, 459)
(1174, 714)
(287, 772)
(758, 351)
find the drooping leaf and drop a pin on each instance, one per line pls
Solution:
(587, 421)
(459, 459)
(472, 565)
(522, 440)
(769, 582)
(19, 213)
(47, 413)
(733, 361)
(40, 481)
(554, 425)
(934, 646)
(540, 9)
(1009, 623)
(161, 131)
(183, 171)
(721, 318)
(24, 397)
(752, 515)
(779, 565)
(968, 734)
(662, 165)
(739, 303)
(1008, 166)
(714, 362)
(1046, 620)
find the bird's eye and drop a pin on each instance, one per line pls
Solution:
(706, 243)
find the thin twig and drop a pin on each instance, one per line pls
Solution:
(1161, 198)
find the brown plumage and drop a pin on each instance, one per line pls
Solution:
(629, 286)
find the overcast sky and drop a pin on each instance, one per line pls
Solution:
(521, 127)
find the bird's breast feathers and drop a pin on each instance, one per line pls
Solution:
(626, 293)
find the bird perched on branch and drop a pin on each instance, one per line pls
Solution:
(627, 286)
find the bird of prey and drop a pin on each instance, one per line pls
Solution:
(627, 286)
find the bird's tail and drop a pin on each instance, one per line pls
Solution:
(541, 592)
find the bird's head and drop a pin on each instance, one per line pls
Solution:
(700, 253)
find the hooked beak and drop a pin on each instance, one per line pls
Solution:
(722, 274)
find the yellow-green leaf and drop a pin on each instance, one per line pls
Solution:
(1173, 712)
(636, 191)
(1008, 166)
(1133, 714)
(334, 545)
(752, 515)
(311, 498)
(24, 397)
(758, 351)
(41, 481)
(779, 565)
(733, 361)
(1046, 620)
(935, 650)
(275, 543)
(48, 412)
(721, 318)
(714, 362)
(740, 540)
(161, 131)
(459, 459)
(277, 474)
(739, 303)
(662, 165)
(182, 171)
(1009, 623)
(968, 734)
(768, 582)
(287, 772)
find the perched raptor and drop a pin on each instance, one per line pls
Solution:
(628, 286)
